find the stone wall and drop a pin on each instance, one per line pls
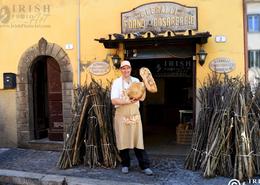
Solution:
(8, 128)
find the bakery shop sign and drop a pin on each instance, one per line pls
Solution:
(222, 65)
(159, 17)
(99, 68)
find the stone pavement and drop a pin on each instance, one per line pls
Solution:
(26, 166)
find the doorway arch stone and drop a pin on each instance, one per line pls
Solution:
(24, 100)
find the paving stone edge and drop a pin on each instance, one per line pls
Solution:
(30, 178)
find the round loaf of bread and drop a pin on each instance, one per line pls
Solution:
(136, 90)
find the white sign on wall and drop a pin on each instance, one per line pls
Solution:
(220, 38)
(69, 46)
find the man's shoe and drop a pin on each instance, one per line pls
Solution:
(148, 171)
(124, 169)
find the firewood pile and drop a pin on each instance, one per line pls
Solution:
(226, 137)
(90, 139)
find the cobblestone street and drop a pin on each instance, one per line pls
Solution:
(168, 170)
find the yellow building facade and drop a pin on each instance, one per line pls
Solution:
(52, 46)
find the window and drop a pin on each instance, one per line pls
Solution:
(253, 23)
(254, 58)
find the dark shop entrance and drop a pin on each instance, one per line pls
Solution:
(172, 106)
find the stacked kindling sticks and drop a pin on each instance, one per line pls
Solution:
(226, 138)
(90, 138)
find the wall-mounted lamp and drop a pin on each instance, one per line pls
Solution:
(202, 56)
(116, 61)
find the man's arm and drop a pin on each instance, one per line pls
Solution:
(144, 96)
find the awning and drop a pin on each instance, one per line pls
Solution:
(141, 40)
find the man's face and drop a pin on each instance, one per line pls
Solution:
(126, 71)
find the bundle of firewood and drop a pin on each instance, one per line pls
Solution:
(90, 139)
(226, 137)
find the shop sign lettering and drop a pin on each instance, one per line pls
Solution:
(222, 65)
(99, 68)
(159, 17)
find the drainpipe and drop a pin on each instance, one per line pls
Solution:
(78, 45)
(245, 39)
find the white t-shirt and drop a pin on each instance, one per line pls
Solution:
(117, 87)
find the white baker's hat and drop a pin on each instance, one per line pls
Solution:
(125, 63)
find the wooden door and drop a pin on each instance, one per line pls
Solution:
(40, 100)
(54, 100)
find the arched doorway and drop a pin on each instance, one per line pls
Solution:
(47, 99)
(25, 115)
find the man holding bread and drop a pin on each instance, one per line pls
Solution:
(126, 92)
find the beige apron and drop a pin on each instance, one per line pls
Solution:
(128, 127)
